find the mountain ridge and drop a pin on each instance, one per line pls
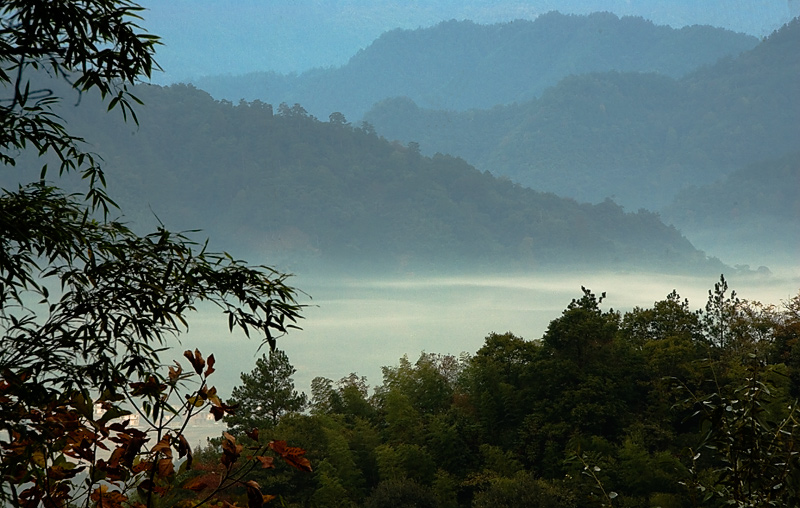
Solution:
(300, 192)
(635, 136)
(461, 65)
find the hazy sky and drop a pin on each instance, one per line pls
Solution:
(206, 37)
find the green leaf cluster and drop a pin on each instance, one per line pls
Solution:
(86, 304)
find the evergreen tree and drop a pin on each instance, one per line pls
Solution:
(266, 394)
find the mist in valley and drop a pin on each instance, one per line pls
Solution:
(360, 324)
(514, 236)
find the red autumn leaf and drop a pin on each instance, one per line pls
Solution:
(213, 398)
(184, 450)
(278, 447)
(108, 498)
(81, 436)
(266, 462)
(142, 466)
(195, 359)
(62, 473)
(219, 409)
(116, 456)
(291, 455)
(210, 368)
(165, 468)
(217, 412)
(230, 450)
(175, 372)
(201, 482)
(112, 472)
(255, 499)
(134, 441)
(30, 496)
(85, 451)
(252, 434)
(163, 446)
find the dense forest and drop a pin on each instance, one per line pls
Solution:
(638, 137)
(460, 65)
(658, 406)
(661, 406)
(280, 183)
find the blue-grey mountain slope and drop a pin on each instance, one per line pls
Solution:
(460, 65)
(284, 186)
(638, 137)
(753, 212)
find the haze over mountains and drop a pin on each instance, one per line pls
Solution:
(671, 115)
(462, 65)
(752, 213)
(301, 192)
(233, 37)
(642, 137)
(275, 180)
(636, 136)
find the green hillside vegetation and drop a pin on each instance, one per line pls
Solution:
(286, 185)
(638, 137)
(659, 406)
(460, 65)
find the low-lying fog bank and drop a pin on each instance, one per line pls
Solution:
(361, 324)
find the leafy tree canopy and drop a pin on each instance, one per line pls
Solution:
(658, 406)
(87, 305)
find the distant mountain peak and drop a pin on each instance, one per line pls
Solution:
(462, 65)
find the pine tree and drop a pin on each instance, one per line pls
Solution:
(266, 394)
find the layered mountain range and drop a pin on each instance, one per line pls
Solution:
(497, 188)
(461, 65)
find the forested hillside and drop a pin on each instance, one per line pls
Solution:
(459, 65)
(639, 137)
(286, 185)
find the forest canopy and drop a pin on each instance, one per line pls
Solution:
(657, 406)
